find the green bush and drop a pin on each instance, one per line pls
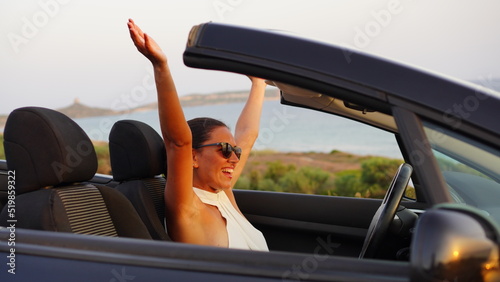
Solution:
(377, 174)
(306, 180)
(255, 179)
(286, 178)
(268, 185)
(243, 183)
(378, 171)
(276, 170)
(372, 181)
(347, 183)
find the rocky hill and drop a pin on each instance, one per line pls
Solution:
(78, 110)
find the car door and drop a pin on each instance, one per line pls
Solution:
(316, 223)
(309, 223)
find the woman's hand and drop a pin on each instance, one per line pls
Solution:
(257, 80)
(146, 45)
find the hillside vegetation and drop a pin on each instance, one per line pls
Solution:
(335, 173)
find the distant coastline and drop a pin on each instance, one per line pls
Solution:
(79, 110)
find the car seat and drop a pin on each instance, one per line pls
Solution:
(53, 160)
(4, 181)
(138, 162)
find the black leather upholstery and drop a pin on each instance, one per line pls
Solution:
(47, 148)
(137, 151)
(52, 157)
(138, 160)
(4, 196)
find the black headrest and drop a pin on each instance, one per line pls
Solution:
(47, 148)
(136, 151)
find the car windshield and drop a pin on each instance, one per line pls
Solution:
(470, 169)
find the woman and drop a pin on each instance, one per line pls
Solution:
(204, 162)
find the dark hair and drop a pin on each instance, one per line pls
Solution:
(201, 129)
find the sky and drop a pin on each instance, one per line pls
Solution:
(54, 51)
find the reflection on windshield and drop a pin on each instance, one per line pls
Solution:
(471, 169)
(446, 163)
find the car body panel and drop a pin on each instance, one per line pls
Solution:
(103, 257)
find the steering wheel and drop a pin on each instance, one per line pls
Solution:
(386, 212)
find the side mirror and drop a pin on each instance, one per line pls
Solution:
(455, 243)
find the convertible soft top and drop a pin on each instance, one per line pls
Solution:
(344, 73)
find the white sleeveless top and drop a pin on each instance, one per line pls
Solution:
(241, 233)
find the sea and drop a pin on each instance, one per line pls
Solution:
(282, 128)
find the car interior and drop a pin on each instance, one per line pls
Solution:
(54, 159)
(57, 162)
(65, 196)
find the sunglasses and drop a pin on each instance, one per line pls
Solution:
(226, 149)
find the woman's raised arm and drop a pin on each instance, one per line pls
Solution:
(174, 128)
(247, 126)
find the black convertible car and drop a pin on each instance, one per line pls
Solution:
(61, 221)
